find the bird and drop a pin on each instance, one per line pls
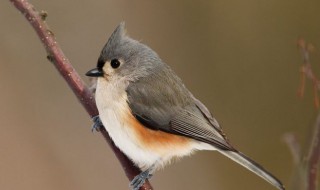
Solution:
(150, 114)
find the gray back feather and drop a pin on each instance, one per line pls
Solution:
(159, 96)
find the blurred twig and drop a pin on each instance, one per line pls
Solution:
(291, 140)
(62, 64)
(313, 157)
(306, 165)
(299, 174)
(306, 70)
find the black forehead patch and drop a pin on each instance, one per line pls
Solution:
(101, 63)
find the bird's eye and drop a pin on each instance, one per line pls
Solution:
(115, 63)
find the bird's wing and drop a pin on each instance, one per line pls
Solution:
(168, 106)
(207, 114)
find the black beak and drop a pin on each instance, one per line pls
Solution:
(95, 73)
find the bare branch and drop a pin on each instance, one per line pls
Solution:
(313, 157)
(306, 70)
(307, 165)
(291, 140)
(62, 64)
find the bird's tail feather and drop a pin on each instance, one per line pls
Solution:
(252, 166)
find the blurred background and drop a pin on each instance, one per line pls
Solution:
(238, 57)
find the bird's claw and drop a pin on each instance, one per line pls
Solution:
(139, 180)
(97, 123)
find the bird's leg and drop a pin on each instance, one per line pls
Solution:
(139, 180)
(97, 123)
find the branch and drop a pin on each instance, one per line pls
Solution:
(306, 70)
(62, 64)
(292, 142)
(307, 165)
(298, 181)
(313, 157)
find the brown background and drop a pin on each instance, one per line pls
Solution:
(238, 57)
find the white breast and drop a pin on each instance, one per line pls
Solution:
(112, 105)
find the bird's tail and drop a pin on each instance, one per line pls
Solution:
(252, 166)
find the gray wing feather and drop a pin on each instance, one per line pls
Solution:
(204, 110)
(157, 98)
(192, 124)
(161, 102)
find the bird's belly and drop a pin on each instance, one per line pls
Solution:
(143, 146)
(123, 137)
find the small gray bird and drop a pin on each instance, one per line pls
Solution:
(149, 113)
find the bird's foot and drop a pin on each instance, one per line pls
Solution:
(139, 180)
(97, 123)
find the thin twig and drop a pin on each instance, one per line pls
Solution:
(291, 140)
(313, 157)
(62, 64)
(306, 70)
(307, 165)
